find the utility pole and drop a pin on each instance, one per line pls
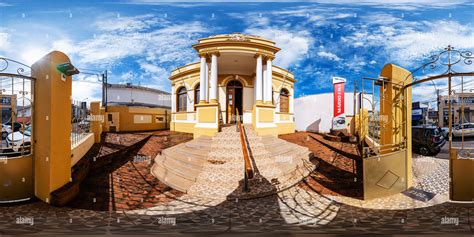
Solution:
(106, 88)
(439, 111)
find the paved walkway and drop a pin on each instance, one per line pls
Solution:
(311, 207)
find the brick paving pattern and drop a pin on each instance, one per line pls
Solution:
(311, 207)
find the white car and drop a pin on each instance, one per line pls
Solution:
(6, 129)
(19, 139)
(467, 129)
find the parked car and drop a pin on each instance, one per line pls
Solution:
(15, 127)
(466, 129)
(445, 132)
(6, 129)
(19, 140)
(427, 140)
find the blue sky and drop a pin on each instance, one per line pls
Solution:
(141, 41)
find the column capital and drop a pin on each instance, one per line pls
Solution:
(208, 54)
(265, 56)
(203, 55)
(216, 52)
(269, 57)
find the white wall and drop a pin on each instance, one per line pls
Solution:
(314, 113)
(125, 95)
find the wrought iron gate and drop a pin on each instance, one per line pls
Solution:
(16, 142)
(381, 177)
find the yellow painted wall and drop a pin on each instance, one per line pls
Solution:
(284, 117)
(52, 125)
(265, 115)
(207, 115)
(128, 115)
(184, 127)
(96, 121)
(181, 116)
(285, 128)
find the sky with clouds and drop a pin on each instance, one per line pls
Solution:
(141, 41)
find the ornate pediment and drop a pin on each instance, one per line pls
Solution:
(238, 37)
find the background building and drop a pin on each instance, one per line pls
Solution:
(419, 113)
(456, 98)
(133, 95)
(314, 113)
(136, 108)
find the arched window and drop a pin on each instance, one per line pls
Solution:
(181, 97)
(284, 101)
(197, 96)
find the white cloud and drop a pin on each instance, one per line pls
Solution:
(329, 56)
(128, 24)
(4, 41)
(134, 37)
(415, 44)
(294, 45)
(406, 43)
(86, 88)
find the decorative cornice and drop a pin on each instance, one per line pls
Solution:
(238, 37)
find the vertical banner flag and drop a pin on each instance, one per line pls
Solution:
(339, 119)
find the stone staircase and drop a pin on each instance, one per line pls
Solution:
(213, 167)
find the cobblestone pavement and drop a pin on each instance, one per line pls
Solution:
(311, 207)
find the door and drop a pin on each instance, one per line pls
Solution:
(113, 121)
(234, 101)
(230, 105)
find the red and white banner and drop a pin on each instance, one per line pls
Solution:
(339, 120)
(338, 99)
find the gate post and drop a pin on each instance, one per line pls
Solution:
(96, 121)
(397, 107)
(52, 125)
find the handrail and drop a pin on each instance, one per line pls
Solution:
(248, 174)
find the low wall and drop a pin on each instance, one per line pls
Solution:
(79, 149)
(314, 113)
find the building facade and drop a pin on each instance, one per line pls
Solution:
(235, 76)
(419, 113)
(459, 102)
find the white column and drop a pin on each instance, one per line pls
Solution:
(202, 80)
(259, 80)
(173, 100)
(213, 92)
(268, 83)
(206, 84)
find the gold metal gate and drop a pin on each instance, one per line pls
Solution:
(384, 129)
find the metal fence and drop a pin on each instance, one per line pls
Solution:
(80, 123)
(16, 108)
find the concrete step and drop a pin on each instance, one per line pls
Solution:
(171, 179)
(183, 154)
(186, 170)
(200, 143)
